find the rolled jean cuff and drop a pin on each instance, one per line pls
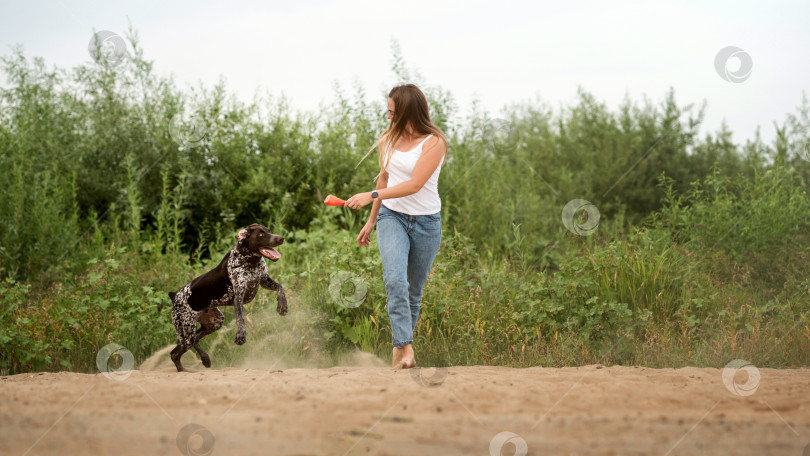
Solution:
(400, 345)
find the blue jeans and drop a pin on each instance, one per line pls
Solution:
(408, 245)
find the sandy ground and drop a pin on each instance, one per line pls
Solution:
(379, 411)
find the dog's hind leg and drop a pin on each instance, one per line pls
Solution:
(210, 320)
(185, 321)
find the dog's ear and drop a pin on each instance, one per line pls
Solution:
(241, 235)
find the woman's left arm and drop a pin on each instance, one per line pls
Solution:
(432, 154)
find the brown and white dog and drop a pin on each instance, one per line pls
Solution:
(234, 282)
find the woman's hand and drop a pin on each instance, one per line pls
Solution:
(359, 200)
(363, 237)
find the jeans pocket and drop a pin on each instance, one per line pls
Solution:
(384, 212)
(437, 217)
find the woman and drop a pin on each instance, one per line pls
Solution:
(407, 208)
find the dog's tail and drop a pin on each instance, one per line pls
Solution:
(172, 294)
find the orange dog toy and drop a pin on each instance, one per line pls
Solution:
(332, 200)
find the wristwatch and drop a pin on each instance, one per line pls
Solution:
(374, 195)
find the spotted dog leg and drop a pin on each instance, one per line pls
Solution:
(239, 308)
(210, 320)
(281, 300)
(185, 323)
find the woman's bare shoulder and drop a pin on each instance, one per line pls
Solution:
(435, 142)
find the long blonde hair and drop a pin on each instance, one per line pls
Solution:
(410, 107)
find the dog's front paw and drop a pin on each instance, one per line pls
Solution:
(281, 308)
(241, 337)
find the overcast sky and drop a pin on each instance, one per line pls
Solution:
(497, 52)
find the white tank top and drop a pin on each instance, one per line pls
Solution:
(400, 169)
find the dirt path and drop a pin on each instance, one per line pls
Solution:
(379, 411)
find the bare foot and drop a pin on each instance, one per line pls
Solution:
(408, 359)
(396, 357)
